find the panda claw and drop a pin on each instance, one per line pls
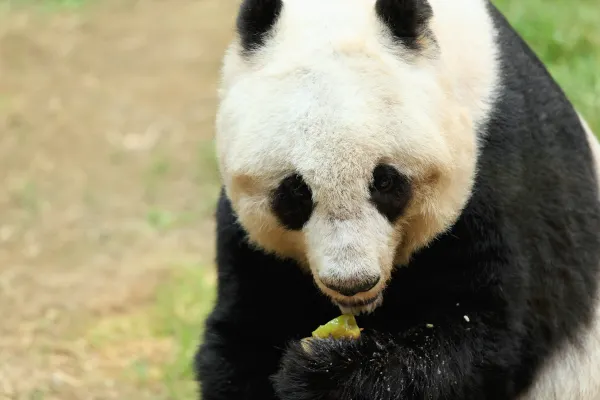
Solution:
(305, 343)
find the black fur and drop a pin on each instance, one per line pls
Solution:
(512, 280)
(390, 191)
(255, 20)
(292, 202)
(406, 19)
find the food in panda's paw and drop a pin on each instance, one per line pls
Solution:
(343, 326)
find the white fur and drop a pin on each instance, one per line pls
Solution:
(330, 97)
(594, 145)
(574, 372)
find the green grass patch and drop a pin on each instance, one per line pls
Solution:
(27, 197)
(566, 36)
(181, 308)
(157, 341)
(160, 220)
(48, 5)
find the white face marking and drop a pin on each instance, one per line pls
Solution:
(330, 97)
(574, 372)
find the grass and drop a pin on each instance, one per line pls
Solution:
(46, 5)
(166, 333)
(566, 36)
(181, 308)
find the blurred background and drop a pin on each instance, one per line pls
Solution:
(108, 182)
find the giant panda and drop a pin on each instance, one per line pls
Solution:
(413, 163)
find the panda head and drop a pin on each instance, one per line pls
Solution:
(343, 137)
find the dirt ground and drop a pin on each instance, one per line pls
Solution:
(107, 180)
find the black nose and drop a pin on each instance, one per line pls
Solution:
(353, 287)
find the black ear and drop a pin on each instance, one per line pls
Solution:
(406, 19)
(255, 19)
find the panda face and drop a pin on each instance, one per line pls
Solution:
(341, 143)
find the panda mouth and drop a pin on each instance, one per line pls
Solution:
(362, 306)
(357, 303)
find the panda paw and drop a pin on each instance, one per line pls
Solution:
(321, 369)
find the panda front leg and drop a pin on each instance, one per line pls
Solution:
(455, 360)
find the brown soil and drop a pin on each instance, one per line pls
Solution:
(107, 178)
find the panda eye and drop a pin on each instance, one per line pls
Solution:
(382, 183)
(292, 202)
(296, 187)
(390, 191)
(385, 178)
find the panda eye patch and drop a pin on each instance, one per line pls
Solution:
(292, 202)
(390, 191)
